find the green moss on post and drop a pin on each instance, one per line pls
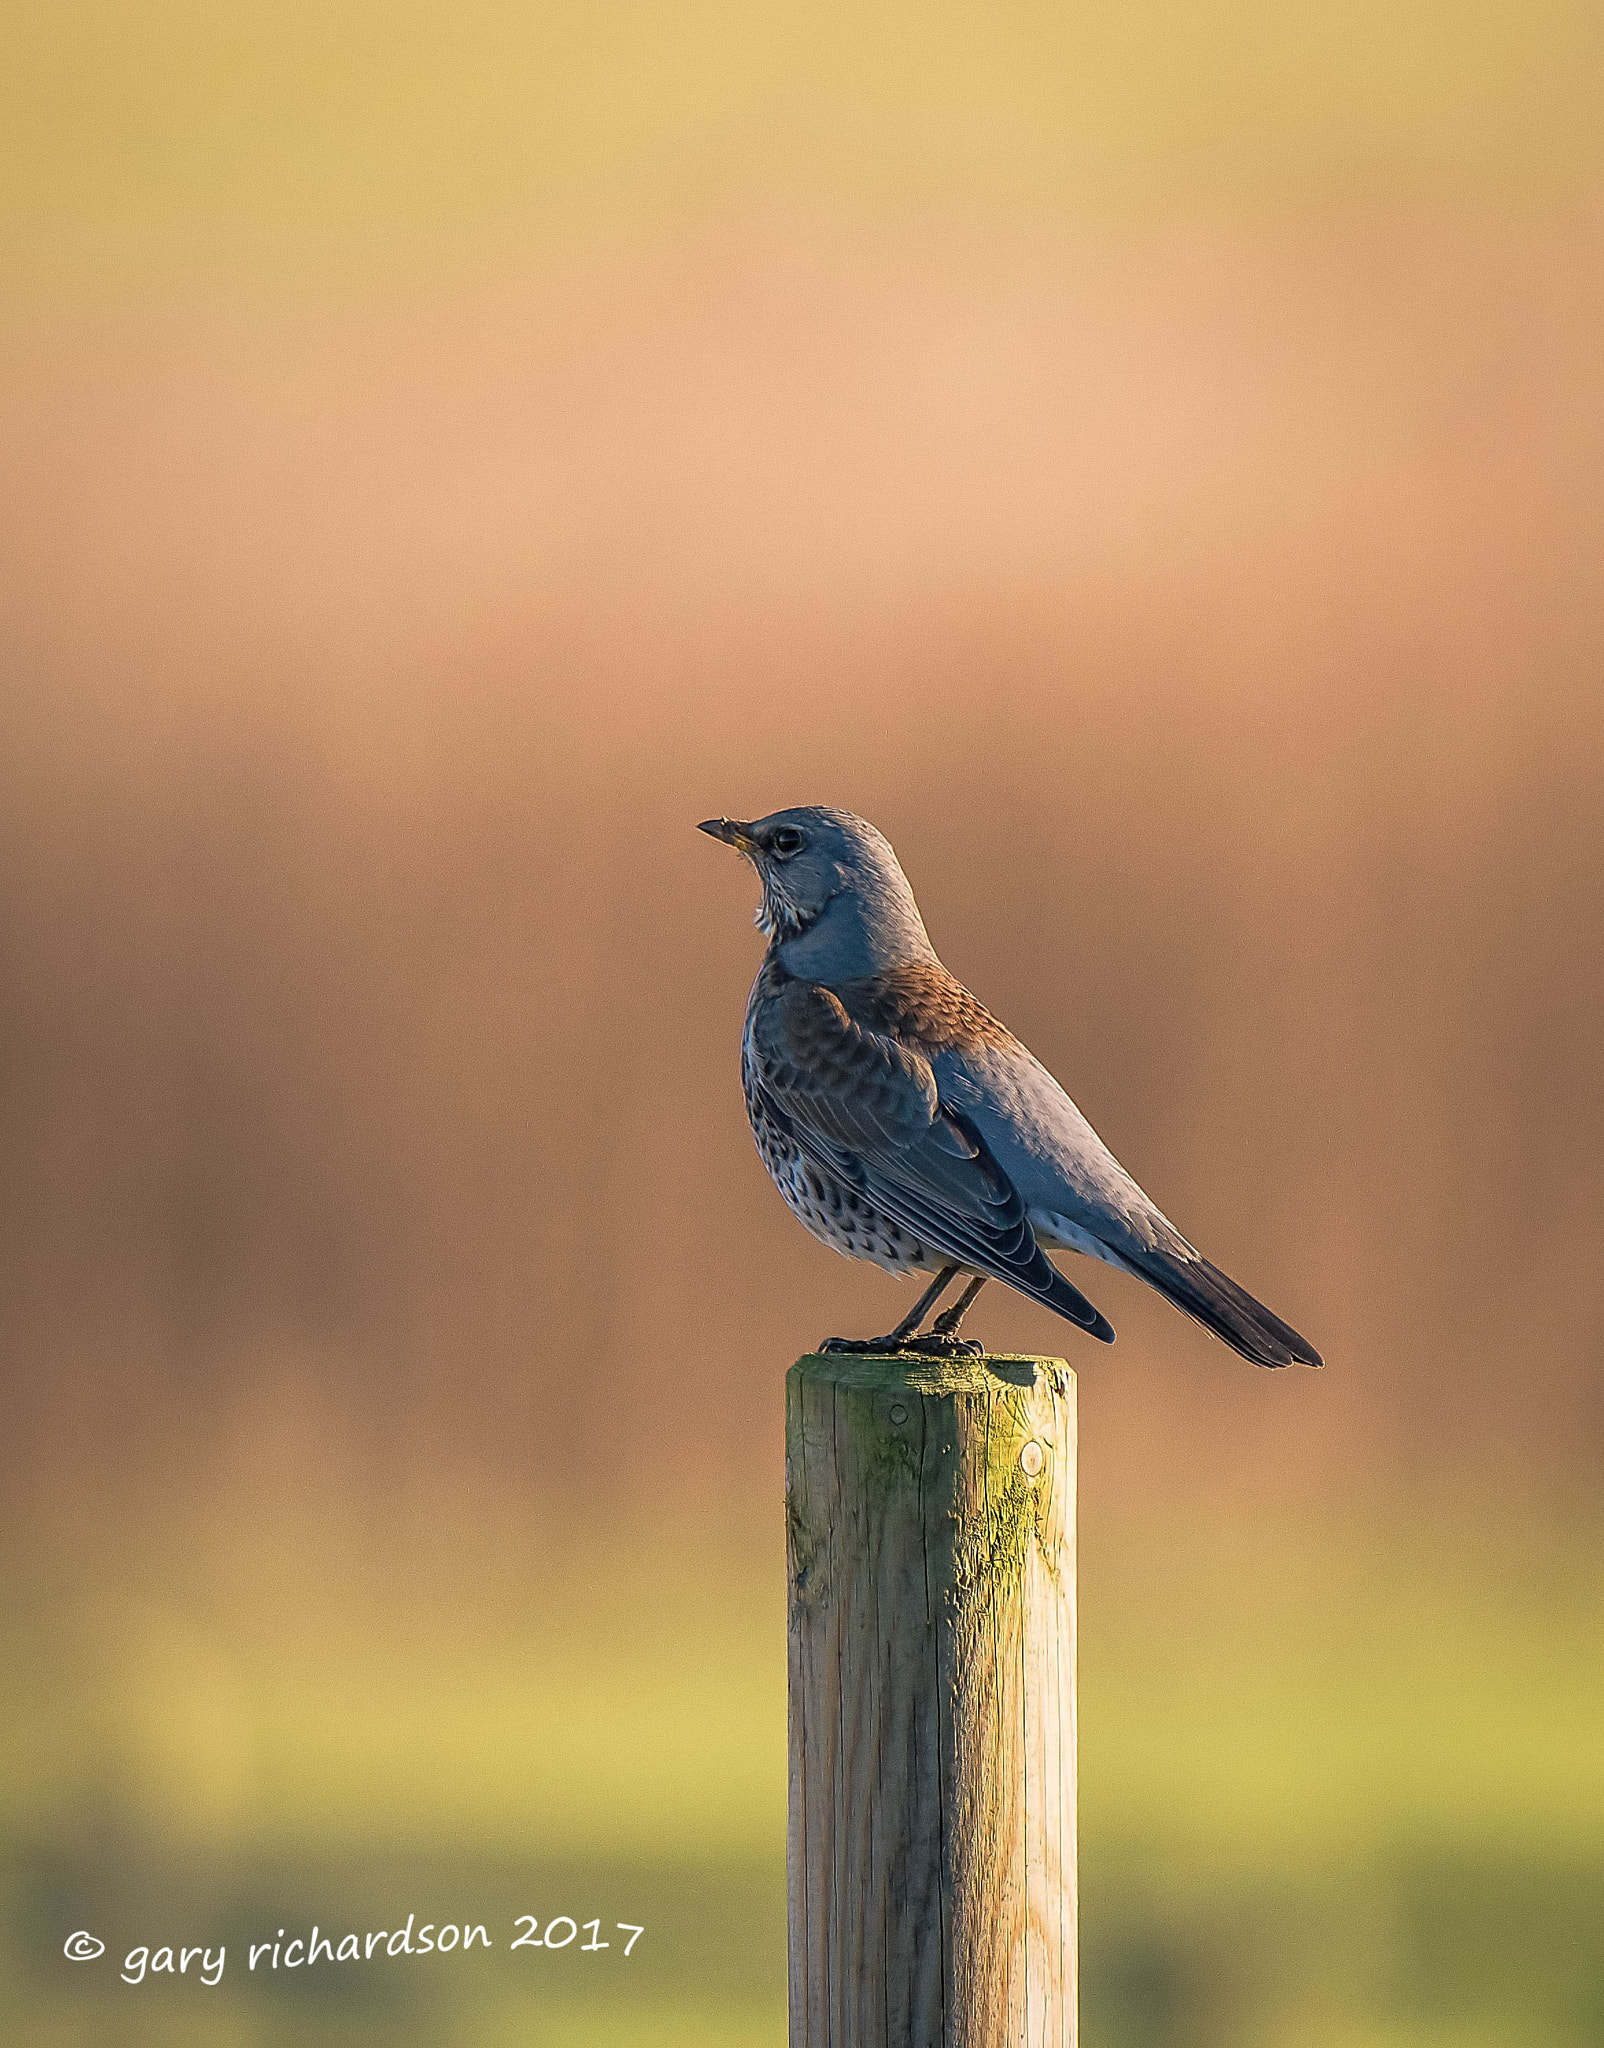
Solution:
(930, 1515)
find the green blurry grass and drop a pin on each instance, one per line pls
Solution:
(1417, 1674)
(1343, 1784)
(1339, 1786)
(205, 123)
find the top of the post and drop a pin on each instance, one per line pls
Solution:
(877, 1371)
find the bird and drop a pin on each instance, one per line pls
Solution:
(904, 1125)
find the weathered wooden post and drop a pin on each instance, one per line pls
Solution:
(930, 1511)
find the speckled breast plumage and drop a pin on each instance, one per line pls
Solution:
(837, 1215)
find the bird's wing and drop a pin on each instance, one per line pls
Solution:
(866, 1107)
(1064, 1172)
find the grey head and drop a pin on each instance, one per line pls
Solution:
(836, 905)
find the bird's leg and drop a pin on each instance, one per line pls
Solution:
(898, 1339)
(942, 1339)
(946, 1324)
(923, 1305)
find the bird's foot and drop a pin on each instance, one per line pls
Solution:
(939, 1344)
(934, 1345)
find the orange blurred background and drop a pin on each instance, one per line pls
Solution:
(1152, 467)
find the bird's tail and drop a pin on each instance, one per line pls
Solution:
(1213, 1299)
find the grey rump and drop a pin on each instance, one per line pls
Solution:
(904, 1125)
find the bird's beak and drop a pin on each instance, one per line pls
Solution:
(733, 834)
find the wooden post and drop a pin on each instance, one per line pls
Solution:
(930, 1517)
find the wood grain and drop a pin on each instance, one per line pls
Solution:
(931, 1614)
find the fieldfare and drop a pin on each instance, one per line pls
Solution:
(904, 1125)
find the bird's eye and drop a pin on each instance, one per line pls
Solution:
(785, 842)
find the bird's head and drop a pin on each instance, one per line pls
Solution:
(835, 902)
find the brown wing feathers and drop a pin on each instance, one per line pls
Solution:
(865, 1105)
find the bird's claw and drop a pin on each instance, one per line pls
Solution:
(935, 1345)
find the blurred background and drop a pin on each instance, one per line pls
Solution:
(1148, 459)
